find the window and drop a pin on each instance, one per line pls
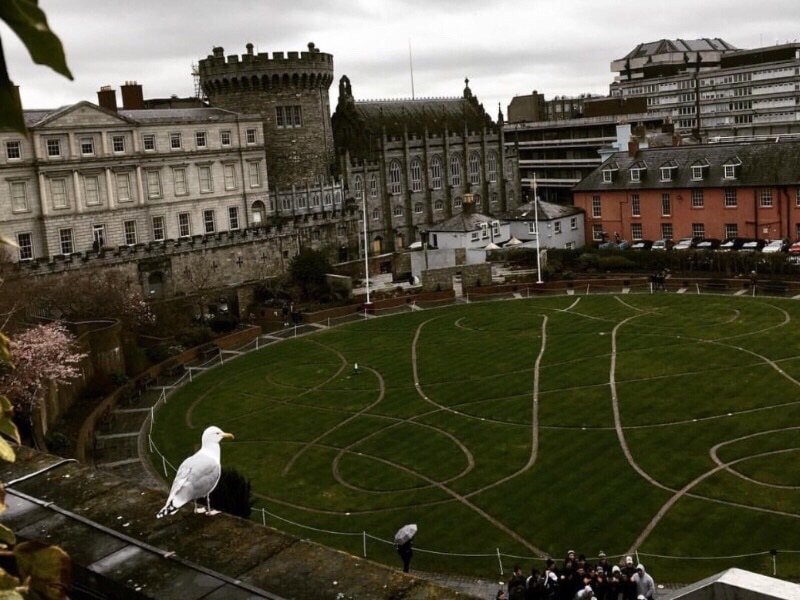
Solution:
(474, 169)
(179, 179)
(298, 116)
(608, 176)
(184, 225)
(91, 191)
(118, 143)
(666, 231)
(457, 202)
(698, 230)
(326, 199)
(636, 175)
(697, 172)
(279, 122)
(438, 206)
(123, 187)
(666, 205)
(200, 139)
(636, 231)
(597, 232)
(209, 221)
(416, 175)
(19, 196)
(53, 147)
(697, 199)
(58, 191)
(149, 142)
(13, 150)
(286, 203)
(797, 198)
(573, 223)
(358, 187)
(130, 232)
(731, 230)
(153, 184)
(302, 201)
(730, 171)
(557, 227)
(418, 208)
(394, 177)
(570, 245)
(254, 174)
(491, 166)
(494, 198)
(158, 229)
(65, 240)
(206, 183)
(225, 138)
(597, 207)
(766, 198)
(436, 173)
(229, 171)
(475, 236)
(455, 171)
(25, 246)
(287, 116)
(233, 218)
(397, 211)
(373, 186)
(250, 136)
(531, 227)
(376, 214)
(636, 206)
(175, 141)
(730, 198)
(666, 173)
(87, 146)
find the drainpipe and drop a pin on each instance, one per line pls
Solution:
(788, 214)
(755, 212)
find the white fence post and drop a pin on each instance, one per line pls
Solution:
(263, 517)
(500, 560)
(364, 537)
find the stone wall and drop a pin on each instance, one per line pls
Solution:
(471, 276)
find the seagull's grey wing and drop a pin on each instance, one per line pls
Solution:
(196, 477)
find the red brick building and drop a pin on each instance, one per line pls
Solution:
(709, 190)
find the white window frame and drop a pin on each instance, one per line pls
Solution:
(731, 230)
(698, 198)
(129, 231)
(25, 250)
(765, 198)
(201, 139)
(118, 144)
(636, 206)
(731, 200)
(666, 202)
(397, 211)
(438, 206)
(557, 227)
(184, 224)
(229, 175)
(175, 141)
(597, 207)
(636, 231)
(16, 205)
(597, 232)
(153, 180)
(233, 218)
(251, 136)
(666, 173)
(13, 150)
(608, 176)
(729, 171)
(636, 175)
(61, 194)
(179, 186)
(697, 173)
(91, 191)
(573, 223)
(87, 146)
(66, 241)
(225, 138)
(205, 179)
(53, 147)
(159, 229)
(698, 230)
(209, 221)
(418, 208)
(667, 231)
(149, 142)
(254, 173)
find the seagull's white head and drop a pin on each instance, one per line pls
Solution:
(214, 435)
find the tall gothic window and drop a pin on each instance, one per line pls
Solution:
(358, 187)
(394, 177)
(455, 170)
(416, 175)
(474, 168)
(373, 186)
(436, 173)
(491, 163)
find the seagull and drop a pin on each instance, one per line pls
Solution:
(198, 475)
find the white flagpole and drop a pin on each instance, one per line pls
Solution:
(536, 221)
(366, 246)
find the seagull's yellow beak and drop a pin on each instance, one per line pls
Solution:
(227, 436)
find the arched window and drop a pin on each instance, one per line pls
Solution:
(418, 208)
(457, 202)
(258, 212)
(398, 210)
(376, 214)
(315, 200)
(455, 170)
(327, 200)
(286, 203)
(416, 175)
(394, 177)
(337, 197)
(436, 173)
(491, 164)
(373, 186)
(474, 168)
(438, 206)
(494, 198)
(358, 187)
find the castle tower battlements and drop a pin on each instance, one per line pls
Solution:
(290, 92)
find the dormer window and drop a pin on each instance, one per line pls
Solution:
(698, 170)
(636, 175)
(729, 167)
(636, 171)
(667, 169)
(608, 172)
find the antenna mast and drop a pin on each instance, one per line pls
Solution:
(411, 68)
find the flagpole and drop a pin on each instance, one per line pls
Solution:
(366, 246)
(536, 222)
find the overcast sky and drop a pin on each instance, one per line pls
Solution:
(505, 47)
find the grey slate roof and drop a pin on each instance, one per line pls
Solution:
(762, 164)
(462, 223)
(548, 211)
(171, 115)
(679, 45)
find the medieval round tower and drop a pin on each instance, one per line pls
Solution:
(290, 92)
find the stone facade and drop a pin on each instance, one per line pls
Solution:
(471, 276)
(290, 93)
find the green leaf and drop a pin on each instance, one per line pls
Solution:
(29, 22)
(3, 501)
(11, 115)
(7, 537)
(47, 566)
(6, 451)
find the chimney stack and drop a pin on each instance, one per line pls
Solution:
(468, 203)
(107, 98)
(633, 147)
(132, 96)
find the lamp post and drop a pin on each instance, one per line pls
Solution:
(366, 247)
(536, 225)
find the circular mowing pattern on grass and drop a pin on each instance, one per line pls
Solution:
(627, 423)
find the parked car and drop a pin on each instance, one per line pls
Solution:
(794, 248)
(708, 244)
(752, 246)
(776, 246)
(732, 244)
(662, 245)
(622, 245)
(686, 243)
(642, 245)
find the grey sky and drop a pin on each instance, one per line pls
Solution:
(505, 47)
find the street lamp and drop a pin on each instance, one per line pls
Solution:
(536, 226)
(366, 246)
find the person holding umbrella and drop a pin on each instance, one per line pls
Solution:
(402, 540)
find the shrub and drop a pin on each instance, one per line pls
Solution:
(615, 263)
(587, 261)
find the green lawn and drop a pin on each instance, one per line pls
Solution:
(694, 376)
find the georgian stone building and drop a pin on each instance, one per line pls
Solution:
(413, 161)
(85, 179)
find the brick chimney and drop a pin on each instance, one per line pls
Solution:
(107, 98)
(468, 204)
(132, 96)
(633, 147)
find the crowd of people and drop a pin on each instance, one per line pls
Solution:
(576, 578)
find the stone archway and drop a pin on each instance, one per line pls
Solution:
(259, 212)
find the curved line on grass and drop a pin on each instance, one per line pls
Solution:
(367, 511)
(715, 457)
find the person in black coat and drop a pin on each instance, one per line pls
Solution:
(405, 552)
